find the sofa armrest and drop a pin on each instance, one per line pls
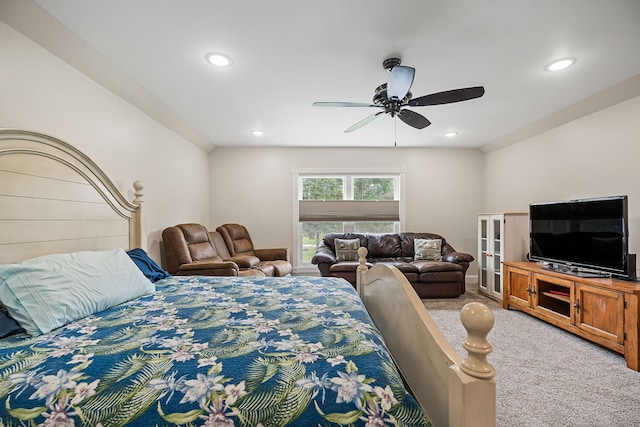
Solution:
(272, 254)
(324, 255)
(208, 268)
(457, 257)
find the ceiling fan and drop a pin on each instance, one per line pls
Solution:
(393, 97)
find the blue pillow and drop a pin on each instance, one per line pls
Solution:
(148, 266)
(8, 326)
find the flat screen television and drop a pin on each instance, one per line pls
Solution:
(581, 236)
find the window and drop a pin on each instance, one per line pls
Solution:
(342, 203)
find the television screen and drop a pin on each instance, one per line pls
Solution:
(586, 233)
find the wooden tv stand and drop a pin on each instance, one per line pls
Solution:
(602, 310)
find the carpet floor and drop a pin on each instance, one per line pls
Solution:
(545, 375)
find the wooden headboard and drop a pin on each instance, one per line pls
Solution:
(54, 199)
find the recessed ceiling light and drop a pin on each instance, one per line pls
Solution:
(560, 64)
(257, 132)
(218, 59)
(450, 134)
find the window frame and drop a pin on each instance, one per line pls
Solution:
(298, 173)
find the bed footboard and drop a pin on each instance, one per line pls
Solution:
(453, 391)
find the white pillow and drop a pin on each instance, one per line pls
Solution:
(428, 249)
(47, 292)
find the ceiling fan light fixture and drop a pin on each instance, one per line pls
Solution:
(257, 132)
(218, 59)
(450, 134)
(560, 64)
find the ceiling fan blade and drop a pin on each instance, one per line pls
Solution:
(414, 119)
(448, 96)
(363, 122)
(400, 81)
(342, 104)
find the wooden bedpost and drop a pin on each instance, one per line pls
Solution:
(478, 320)
(476, 402)
(362, 267)
(139, 235)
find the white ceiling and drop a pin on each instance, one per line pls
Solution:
(289, 53)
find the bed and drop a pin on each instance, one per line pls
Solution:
(203, 350)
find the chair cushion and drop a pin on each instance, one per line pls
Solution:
(242, 246)
(203, 251)
(425, 266)
(383, 246)
(282, 268)
(194, 233)
(268, 269)
(404, 267)
(441, 276)
(346, 266)
(237, 239)
(245, 261)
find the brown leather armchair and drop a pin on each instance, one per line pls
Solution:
(238, 242)
(189, 250)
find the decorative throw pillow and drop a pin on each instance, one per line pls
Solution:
(428, 249)
(347, 249)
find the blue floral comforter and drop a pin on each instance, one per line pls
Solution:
(211, 351)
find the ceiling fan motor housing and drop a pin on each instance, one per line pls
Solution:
(391, 106)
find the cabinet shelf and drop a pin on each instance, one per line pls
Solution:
(559, 297)
(555, 295)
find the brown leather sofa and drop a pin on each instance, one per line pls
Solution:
(190, 249)
(444, 278)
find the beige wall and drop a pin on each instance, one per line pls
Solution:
(254, 187)
(445, 189)
(597, 155)
(39, 92)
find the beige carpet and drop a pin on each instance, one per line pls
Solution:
(545, 375)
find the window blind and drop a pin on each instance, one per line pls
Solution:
(348, 210)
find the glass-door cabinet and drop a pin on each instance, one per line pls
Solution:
(494, 247)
